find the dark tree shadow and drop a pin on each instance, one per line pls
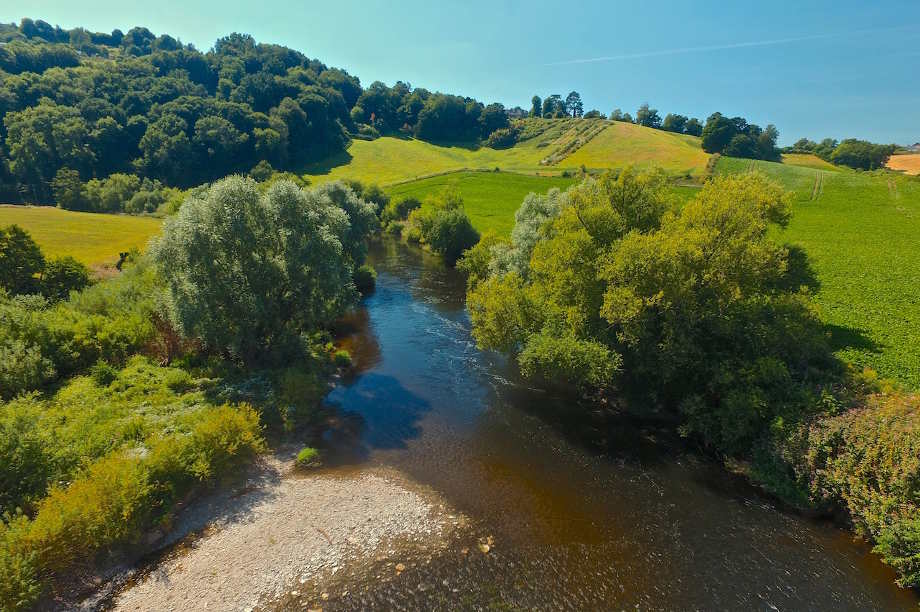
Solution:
(328, 164)
(381, 414)
(800, 272)
(840, 337)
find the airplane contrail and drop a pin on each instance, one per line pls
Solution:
(703, 49)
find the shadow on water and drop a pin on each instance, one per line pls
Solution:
(588, 509)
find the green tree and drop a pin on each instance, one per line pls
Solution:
(573, 104)
(693, 127)
(648, 117)
(536, 107)
(674, 123)
(246, 272)
(62, 275)
(68, 190)
(21, 261)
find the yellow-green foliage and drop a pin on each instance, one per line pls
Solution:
(113, 459)
(868, 460)
(489, 198)
(860, 231)
(624, 144)
(91, 238)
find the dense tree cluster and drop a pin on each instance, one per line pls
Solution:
(555, 106)
(77, 106)
(738, 138)
(851, 152)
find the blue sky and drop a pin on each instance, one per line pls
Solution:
(815, 69)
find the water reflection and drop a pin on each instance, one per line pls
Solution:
(586, 512)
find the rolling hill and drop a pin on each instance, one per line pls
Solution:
(547, 147)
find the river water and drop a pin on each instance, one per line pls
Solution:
(581, 515)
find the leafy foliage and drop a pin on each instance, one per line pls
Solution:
(247, 271)
(443, 226)
(868, 460)
(738, 138)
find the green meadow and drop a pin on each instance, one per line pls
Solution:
(92, 238)
(489, 198)
(860, 231)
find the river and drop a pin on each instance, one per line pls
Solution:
(580, 515)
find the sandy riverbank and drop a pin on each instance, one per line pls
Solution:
(279, 530)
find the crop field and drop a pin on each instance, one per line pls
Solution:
(622, 144)
(908, 163)
(490, 198)
(860, 231)
(93, 238)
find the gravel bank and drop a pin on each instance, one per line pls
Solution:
(282, 529)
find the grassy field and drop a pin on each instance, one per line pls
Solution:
(92, 238)
(621, 144)
(807, 160)
(860, 231)
(562, 143)
(908, 163)
(490, 198)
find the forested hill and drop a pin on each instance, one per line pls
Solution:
(78, 105)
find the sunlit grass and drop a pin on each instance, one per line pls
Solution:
(860, 231)
(92, 238)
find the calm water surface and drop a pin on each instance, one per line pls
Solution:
(582, 516)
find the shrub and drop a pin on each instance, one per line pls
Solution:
(398, 210)
(20, 585)
(61, 276)
(27, 459)
(308, 457)
(395, 228)
(103, 374)
(342, 358)
(365, 278)
(868, 460)
(565, 360)
(222, 438)
(502, 138)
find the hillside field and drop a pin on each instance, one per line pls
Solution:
(622, 144)
(860, 231)
(93, 238)
(562, 143)
(490, 198)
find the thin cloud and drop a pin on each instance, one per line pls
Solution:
(704, 49)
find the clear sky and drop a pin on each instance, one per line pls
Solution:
(842, 68)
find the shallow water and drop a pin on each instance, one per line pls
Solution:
(581, 516)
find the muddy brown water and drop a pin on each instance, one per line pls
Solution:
(581, 515)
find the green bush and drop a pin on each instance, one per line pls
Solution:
(61, 276)
(868, 460)
(443, 225)
(502, 138)
(365, 278)
(341, 358)
(398, 210)
(20, 585)
(103, 374)
(308, 457)
(568, 361)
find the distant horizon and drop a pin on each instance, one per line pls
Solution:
(846, 77)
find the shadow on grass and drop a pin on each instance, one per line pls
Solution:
(800, 272)
(328, 164)
(841, 337)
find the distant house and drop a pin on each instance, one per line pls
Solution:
(915, 147)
